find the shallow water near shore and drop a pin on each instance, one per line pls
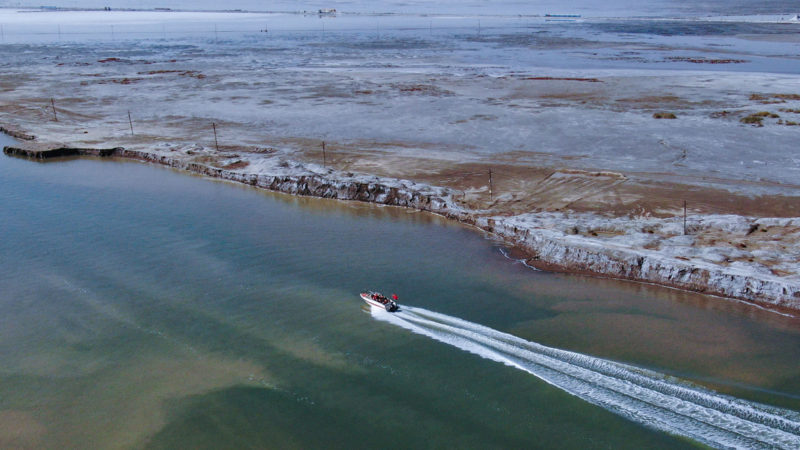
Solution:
(144, 307)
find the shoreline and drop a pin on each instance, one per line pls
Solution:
(544, 248)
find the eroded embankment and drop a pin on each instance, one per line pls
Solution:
(550, 250)
(16, 134)
(545, 248)
(343, 187)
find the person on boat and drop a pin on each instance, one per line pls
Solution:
(394, 297)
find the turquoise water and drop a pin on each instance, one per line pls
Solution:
(146, 308)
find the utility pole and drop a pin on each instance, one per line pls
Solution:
(53, 102)
(130, 122)
(490, 184)
(684, 218)
(216, 144)
(323, 154)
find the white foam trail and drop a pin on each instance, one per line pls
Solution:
(644, 396)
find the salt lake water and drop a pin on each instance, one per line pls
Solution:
(142, 307)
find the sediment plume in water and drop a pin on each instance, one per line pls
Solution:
(643, 396)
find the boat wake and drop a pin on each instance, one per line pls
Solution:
(644, 396)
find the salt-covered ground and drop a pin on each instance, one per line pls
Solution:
(563, 113)
(728, 240)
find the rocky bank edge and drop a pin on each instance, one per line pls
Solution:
(545, 248)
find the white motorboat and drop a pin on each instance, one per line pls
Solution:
(379, 300)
